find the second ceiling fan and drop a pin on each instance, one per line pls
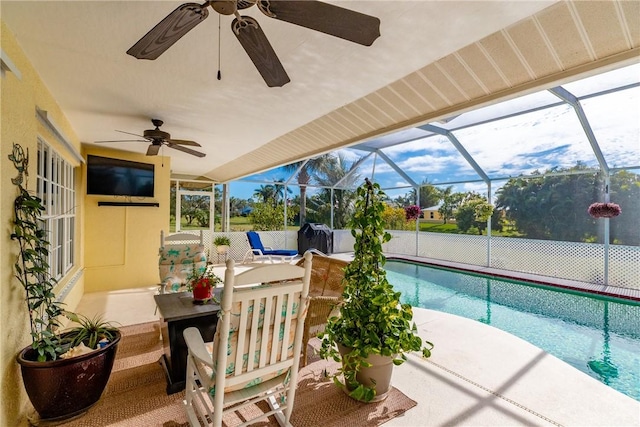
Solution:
(158, 138)
(326, 18)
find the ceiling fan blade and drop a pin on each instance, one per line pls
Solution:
(169, 30)
(326, 18)
(183, 142)
(122, 140)
(255, 43)
(129, 133)
(153, 149)
(185, 149)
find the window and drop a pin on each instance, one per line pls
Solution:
(56, 188)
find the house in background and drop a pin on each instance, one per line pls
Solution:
(431, 214)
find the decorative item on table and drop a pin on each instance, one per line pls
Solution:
(202, 282)
(604, 210)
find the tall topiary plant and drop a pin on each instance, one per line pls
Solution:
(372, 321)
(32, 268)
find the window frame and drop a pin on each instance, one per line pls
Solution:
(55, 185)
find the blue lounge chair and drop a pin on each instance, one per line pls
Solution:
(259, 251)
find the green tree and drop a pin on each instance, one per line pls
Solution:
(279, 190)
(202, 217)
(265, 193)
(267, 217)
(625, 191)
(235, 205)
(450, 203)
(406, 200)
(553, 206)
(309, 169)
(473, 213)
(429, 195)
(395, 219)
(195, 208)
(341, 170)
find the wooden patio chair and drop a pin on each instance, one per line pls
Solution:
(325, 292)
(256, 347)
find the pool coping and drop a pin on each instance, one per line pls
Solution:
(604, 290)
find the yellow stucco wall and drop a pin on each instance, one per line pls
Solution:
(130, 236)
(20, 95)
(121, 243)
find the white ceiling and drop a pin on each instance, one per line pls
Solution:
(78, 47)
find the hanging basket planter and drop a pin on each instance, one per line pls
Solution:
(604, 210)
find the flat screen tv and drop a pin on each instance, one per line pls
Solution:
(116, 177)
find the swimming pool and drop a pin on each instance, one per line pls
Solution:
(597, 335)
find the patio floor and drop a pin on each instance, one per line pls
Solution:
(477, 375)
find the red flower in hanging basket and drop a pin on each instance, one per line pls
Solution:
(412, 212)
(604, 210)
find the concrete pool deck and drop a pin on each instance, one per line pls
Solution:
(481, 376)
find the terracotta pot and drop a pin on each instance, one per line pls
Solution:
(377, 376)
(65, 388)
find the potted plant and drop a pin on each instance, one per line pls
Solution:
(202, 282)
(70, 384)
(222, 244)
(604, 210)
(372, 328)
(58, 388)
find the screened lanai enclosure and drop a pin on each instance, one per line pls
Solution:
(506, 186)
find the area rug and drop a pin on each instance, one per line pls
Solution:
(136, 394)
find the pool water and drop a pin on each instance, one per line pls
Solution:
(597, 335)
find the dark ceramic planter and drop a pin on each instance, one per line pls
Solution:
(66, 388)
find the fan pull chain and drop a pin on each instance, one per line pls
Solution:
(219, 73)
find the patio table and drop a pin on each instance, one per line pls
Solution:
(178, 312)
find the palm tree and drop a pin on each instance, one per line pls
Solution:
(279, 187)
(429, 194)
(339, 170)
(310, 168)
(235, 205)
(264, 193)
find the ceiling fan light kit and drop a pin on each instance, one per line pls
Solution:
(315, 15)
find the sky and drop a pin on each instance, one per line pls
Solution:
(535, 141)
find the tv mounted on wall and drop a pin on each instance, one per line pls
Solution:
(117, 177)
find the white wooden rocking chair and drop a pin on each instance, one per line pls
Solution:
(256, 348)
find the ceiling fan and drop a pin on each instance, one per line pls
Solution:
(159, 138)
(326, 18)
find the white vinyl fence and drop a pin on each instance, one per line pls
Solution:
(584, 262)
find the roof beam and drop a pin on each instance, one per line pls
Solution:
(476, 167)
(571, 99)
